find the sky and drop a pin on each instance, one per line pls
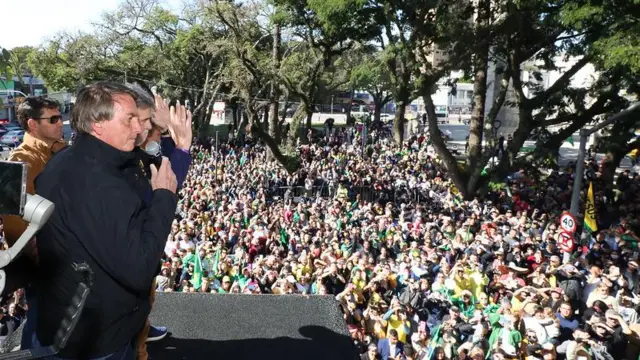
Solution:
(31, 22)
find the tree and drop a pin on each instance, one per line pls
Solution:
(141, 41)
(176, 53)
(560, 104)
(616, 51)
(321, 32)
(12, 64)
(372, 76)
(525, 33)
(251, 68)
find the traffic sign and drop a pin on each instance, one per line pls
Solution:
(568, 223)
(566, 242)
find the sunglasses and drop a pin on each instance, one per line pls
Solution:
(52, 120)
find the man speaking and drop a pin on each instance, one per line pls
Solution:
(100, 220)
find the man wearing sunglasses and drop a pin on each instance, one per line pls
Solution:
(40, 118)
(42, 122)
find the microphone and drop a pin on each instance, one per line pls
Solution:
(155, 153)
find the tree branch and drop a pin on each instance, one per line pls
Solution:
(562, 82)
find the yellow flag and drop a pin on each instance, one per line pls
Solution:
(590, 223)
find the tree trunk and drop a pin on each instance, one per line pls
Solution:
(448, 160)
(294, 129)
(617, 146)
(608, 169)
(287, 162)
(475, 161)
(377, 109)
(280, 123)
(265, 119)
(309, 115)
(203, 126)
(235, 119)
(274, 93)
(398, 123)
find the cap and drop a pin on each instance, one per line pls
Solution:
(372, 346)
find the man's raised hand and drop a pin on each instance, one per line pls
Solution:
(162, 116)
(180, 126)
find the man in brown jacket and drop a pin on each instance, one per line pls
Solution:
(40, 118)
(42, 122)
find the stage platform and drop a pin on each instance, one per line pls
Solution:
(212, 326)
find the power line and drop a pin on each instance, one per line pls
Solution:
(222, 94)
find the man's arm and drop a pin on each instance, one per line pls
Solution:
(178, 120)
(180, 159)
(127, 238)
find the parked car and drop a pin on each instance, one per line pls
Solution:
(13, 137)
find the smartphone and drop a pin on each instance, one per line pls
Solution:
(13, 187)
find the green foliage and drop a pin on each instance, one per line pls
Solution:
(390, 48)
(372, 75)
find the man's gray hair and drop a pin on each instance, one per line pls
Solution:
(145, 97)
(94, 103)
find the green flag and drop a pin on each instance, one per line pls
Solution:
(284, 237)
(216, 263)
(570, 140)
(196, 279)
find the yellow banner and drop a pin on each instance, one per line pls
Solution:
(590, 211)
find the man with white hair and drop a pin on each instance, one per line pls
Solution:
(100, 221)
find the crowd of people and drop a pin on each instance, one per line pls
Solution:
(419, 275)
(419, 272)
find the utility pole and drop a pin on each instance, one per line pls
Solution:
(332, 95)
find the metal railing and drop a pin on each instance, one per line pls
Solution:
(366, 193)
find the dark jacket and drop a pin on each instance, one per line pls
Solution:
(99, 219)
(180, 162)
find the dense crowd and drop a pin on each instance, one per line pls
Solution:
(418, 276)
(419, 272)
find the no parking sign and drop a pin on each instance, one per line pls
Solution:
(566, 242)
